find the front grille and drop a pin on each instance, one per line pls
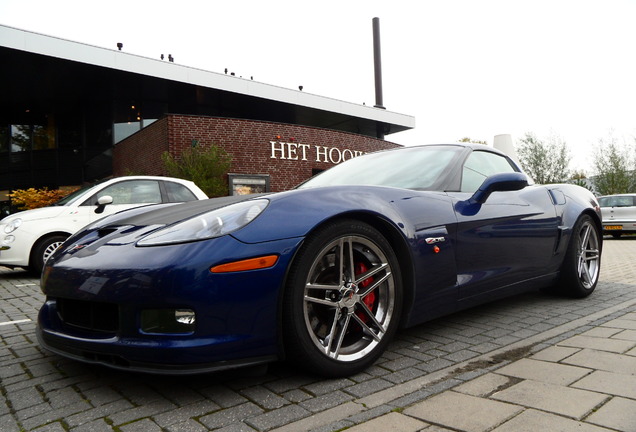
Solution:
(94, 316)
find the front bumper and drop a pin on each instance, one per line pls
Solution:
(236, 313)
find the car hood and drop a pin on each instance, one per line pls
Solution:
(166, 214)
(37, 214)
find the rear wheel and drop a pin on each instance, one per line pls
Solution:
(343, 299)
(582, 264)
(43, 250)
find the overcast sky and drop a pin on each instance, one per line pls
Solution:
(463, 68)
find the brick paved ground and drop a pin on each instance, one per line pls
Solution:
(44, 392)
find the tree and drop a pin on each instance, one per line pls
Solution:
(579, 178)
(614, 166)
(206, 166)
(545, 161)
(470, 140)
(28, 199)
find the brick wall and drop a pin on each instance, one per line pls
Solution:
(140, 153)
(288, 153)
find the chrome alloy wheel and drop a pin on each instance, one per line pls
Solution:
(50, 248)
(588, 255)
(349, 298)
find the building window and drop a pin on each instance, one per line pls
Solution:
(20, 138)
(4, 139)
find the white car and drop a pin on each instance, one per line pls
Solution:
(29, 237)
(619, 214)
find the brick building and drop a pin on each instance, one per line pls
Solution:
(282, 155)
(72, 113)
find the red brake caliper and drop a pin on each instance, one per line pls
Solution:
(369, 300)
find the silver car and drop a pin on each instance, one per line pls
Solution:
(619, 214)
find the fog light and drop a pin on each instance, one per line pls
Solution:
(8, 239)
(167, 321)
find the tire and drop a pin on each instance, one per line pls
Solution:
(43, 250)
(335, 325)
(582, 264)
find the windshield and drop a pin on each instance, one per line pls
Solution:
(68, 199)
(411, 168)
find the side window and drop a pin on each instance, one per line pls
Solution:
(624, 201)
(178, 192)
(133, 192)
(481, 164)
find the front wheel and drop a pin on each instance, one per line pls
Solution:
(43, 250)
(582, 264)
(343, 299)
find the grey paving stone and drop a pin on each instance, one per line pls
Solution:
(554, 354)
(237, 427)
(600, 344)
(603, 360)
(484, 385)
(610, 383)
(51, 427)
(296, 395)
(143, 425)
(534, 421)
(368, 387)
(49, 416)
(99, 412)
(327, 401)
(189, 425)
(231, 415)
(98, 425)
(25, 398)
(622, 323)
(404, 375)
(223, 396)
(617, 414)
(626, 335)
(460, 356)
(327, 386)
(398, 364)
(63, 397)
(425, 392)
(390, 422)
(264, 398)
(278, 417)
(332, 427)
(177, 415)
(9, 423)
(475, 415)
(553, 373)
(557, 399)
(146, 410)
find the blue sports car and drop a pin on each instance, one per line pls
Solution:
(322, 275)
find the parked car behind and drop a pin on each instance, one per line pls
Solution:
(619, 214)
(29, 237)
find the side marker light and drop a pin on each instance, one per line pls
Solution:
(245, 265)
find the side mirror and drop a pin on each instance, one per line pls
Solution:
(499, 183)
(102, 202)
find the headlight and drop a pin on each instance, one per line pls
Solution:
(209, 225)
(12, 225)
